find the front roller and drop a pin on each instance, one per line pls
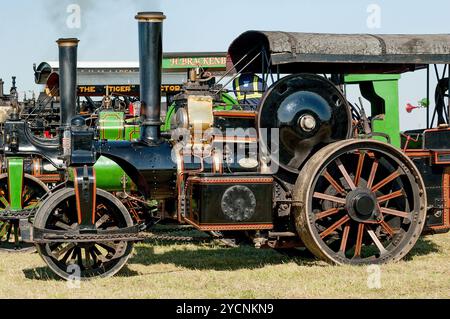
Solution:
(362, 202)
(80, 257)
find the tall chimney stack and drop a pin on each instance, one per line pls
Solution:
(150, 60)
(67, 79)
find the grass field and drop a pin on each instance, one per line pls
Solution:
(161, 270)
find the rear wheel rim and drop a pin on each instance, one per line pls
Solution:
(339, 228)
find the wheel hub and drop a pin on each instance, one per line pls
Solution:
(361, 205)
(307, 122)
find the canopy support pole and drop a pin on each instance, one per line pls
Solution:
(448, 95)
(428, 96)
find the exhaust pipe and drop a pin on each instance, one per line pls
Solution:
(150, 60)
(67, 79)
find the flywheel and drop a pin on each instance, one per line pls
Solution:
(299, 115)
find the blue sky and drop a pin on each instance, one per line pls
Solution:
(29, 28)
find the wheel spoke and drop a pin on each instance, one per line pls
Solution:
(16, 234)
(377, 241)
(88, 257)
(28, 194)
(388, 179)
(110, 247)
(387, 228)
(62, 225)
(100, 207)
(99, 255)
(327, 212)
(330, 229)
(4, 201)
(390, 196)
(101, 220)
(372, 174)
(395, 212)
(334, 183)
(80, 258)
(94, 257)
(345, 174)
(58, 252)
(331, 198)
(28, 201)
(67, 254)
(31, 206)
(359, 168)
(8, 234)
(344, 238)
(359, 238)
(74, 254)
(4, 229)
(96, 251)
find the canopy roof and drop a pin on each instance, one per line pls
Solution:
(340, 53)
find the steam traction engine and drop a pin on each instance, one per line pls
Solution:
(299, 176)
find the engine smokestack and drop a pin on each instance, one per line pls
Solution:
(67, 79)
(150, 60)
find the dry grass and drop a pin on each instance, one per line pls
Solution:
(159, 270)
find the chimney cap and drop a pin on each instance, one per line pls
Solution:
(67, 42)
(150, 16)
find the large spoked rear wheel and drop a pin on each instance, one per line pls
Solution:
(32, 192)
(363, 202)
(83, 260)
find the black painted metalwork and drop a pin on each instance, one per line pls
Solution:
(230, 199)
(67, 78)
(150, 59)
(85, 194)
(82, 143)
(309, 112)
(150, 167)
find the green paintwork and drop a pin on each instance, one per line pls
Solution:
(226, 98)
(111, 125)
(170, 113)
(15, 182)
(190, 62)
(381, 90)
(229, 102)
(109, 175)
(132, 132)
